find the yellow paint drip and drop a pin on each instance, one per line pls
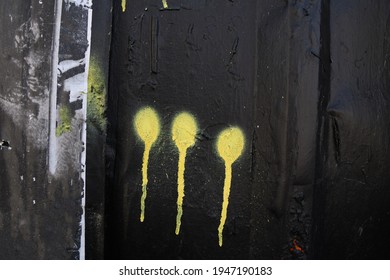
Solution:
(123, 5)
(147, 125)
(230, 144)
(165, 4)
(184, 129)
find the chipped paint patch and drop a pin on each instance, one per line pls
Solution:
(83, 3)
(67, 65)
(75, 86)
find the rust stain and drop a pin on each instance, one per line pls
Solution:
(296, 247)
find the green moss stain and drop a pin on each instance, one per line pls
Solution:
(65, 121)
(96, 95)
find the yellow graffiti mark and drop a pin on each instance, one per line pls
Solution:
(165, 4)
(123, 5)
(184, 129)
(147, 125)
(230, 144)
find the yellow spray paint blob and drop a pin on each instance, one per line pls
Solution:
(230, 144)
(165, 4)
(184, 129)
(123, 5)
(147, 125)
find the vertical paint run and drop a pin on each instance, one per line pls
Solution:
(184, 130)
(165, 4)
(230, 144)
(123, 5)
(147, 125)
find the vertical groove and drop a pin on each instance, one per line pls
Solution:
(322, 132)
(254, 163)
(283, 184)
(111, 241)
(154, 45)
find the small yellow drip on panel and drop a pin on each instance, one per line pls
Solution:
(147, 125)
(165, 4)
(230, 144)
(123, 5)
(184, 129)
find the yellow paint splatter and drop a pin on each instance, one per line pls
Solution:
(230, 144)
(184, 129)
(147, 125)
(165, 4)
(123, 5)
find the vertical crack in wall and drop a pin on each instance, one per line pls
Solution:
(322, 132)
(283, 183)
(110, 241)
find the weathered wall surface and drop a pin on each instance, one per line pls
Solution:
(96, 129)
(282, 151)
(43, 58)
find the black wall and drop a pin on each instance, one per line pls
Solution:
(352, 191)
(307, 82)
